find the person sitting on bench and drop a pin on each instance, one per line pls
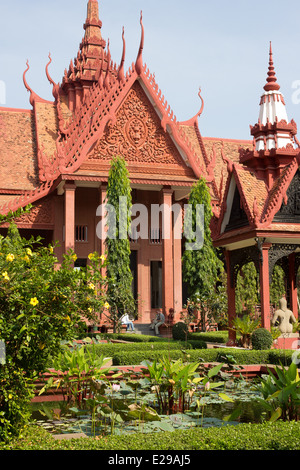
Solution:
(125, 320)
(157, 322)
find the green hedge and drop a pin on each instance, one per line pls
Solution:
(124, 354)
(128, 337)
(268, 436)
(242, 357)
(211, 336)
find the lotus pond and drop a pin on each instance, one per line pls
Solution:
(171, 396)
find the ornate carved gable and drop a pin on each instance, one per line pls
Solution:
(136, 134)
(290, 208)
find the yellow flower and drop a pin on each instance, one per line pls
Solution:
(106, 305)
(74, 257)
(26, 258)
(51, 249)
(28, 251)
(91, 286)
(90, 309)
(10, 257)
(34, 301)
(10, 396)
(6, 276)
(103, 258)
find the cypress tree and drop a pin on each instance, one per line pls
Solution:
(201, 266)
(119, 276)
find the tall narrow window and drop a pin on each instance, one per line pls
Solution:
(156, 284)
(81, 233)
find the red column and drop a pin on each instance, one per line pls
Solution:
(177, 254)
(230, 301)
(293, 285)
(265, 287)
(168, 264)
(70, 189)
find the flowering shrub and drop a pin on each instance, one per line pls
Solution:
(42, 303)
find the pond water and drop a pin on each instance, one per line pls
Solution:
(60, 418)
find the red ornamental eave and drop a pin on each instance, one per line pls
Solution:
(274, 159)
(133, 180)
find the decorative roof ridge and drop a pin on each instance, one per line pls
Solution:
(168, 118)
(95, 115)
(28, 197)
(139, 59)
(225, 139)
(194, 119)
(55, 89)
(33, 96)
(121, 76)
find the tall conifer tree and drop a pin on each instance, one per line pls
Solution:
(201, 267)
(119, 274)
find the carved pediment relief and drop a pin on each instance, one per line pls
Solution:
(290, 208)
(136, 134)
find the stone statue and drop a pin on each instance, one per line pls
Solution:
(285, 317)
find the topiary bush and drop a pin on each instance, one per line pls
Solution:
(180, 331)
(261, 339)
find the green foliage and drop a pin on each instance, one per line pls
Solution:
(281, 393)
(76, 369)
(176, 382)
(180, 331)
(277, 288)
(261, 339)
(41, 304)
(217, 303)
(267, 436)
(118, 247)
(245, 325)
(110, 349)
(211, 336)
(16, 391)
(201, 267)
(247, 289)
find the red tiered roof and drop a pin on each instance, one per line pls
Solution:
(72, 136)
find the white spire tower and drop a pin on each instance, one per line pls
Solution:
(272, 116)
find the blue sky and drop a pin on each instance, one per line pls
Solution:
(220, 45)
